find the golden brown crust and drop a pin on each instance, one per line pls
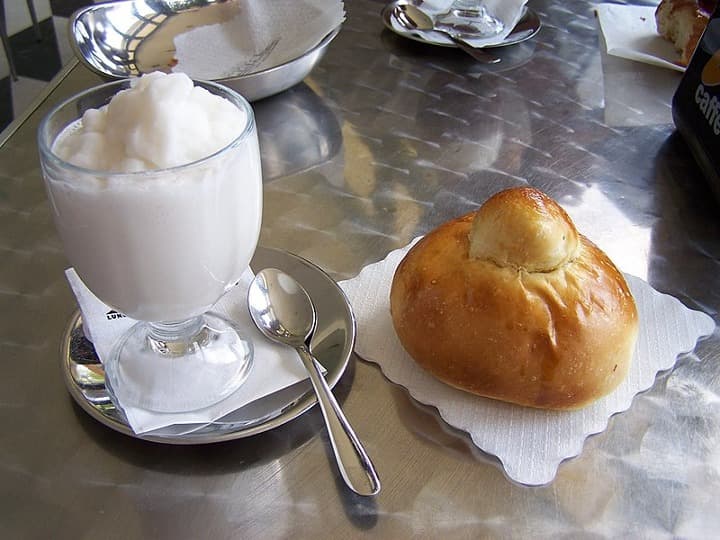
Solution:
(523, 228)
(556, 339)
(683, 22)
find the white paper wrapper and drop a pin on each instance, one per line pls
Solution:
(530, 443)
(630, 32)
(257, 35)
(276, 367)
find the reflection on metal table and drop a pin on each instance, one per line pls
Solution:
(383, 141)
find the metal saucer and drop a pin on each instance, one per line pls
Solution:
(332, 345)
(107, 37)
(527, 27)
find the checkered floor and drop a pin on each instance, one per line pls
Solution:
(36, 60)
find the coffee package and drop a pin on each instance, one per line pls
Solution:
(696, 103)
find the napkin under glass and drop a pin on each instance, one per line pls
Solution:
(275, 367)
(530, 443)
(256, 35)
(507, 12)
(630, 32)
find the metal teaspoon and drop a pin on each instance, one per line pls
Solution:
(415, 19)
(283, 311)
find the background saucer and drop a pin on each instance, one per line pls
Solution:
(528, 25)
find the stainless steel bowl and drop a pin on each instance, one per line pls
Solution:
(107, 37)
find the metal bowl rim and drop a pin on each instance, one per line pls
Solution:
(78, 14)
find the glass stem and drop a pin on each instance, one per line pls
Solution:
(468, 8)
(178, 337)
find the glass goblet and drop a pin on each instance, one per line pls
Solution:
(162, 246)
(472, 18)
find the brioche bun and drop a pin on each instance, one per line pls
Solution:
(512, 303)
(683, 22)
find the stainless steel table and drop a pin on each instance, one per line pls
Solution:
(384, 140)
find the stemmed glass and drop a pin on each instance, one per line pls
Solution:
(471, 17)
(162, 246)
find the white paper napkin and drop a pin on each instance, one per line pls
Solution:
(275, 367)
(506, 11)
(630, 32)
(257, 35)
(530, 443)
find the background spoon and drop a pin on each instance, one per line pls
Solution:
(283, 312)
(415, 19)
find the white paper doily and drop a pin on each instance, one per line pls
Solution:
(530, 443)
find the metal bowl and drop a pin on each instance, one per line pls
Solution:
(107, 37)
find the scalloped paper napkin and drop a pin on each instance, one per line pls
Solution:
(530, 443)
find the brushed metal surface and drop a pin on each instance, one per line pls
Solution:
(411, 135)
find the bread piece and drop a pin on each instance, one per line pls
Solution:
(512, 303)
(683, 22)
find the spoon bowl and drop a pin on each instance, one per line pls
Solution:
(281, 308)
(283, 311)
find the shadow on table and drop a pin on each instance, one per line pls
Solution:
(452, 58)
(297, 131)
(685, 239)
(425, 422)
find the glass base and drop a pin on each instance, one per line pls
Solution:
(178, 367)
(471, 19)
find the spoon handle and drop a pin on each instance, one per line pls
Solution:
(354, 464)
(476, 53)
